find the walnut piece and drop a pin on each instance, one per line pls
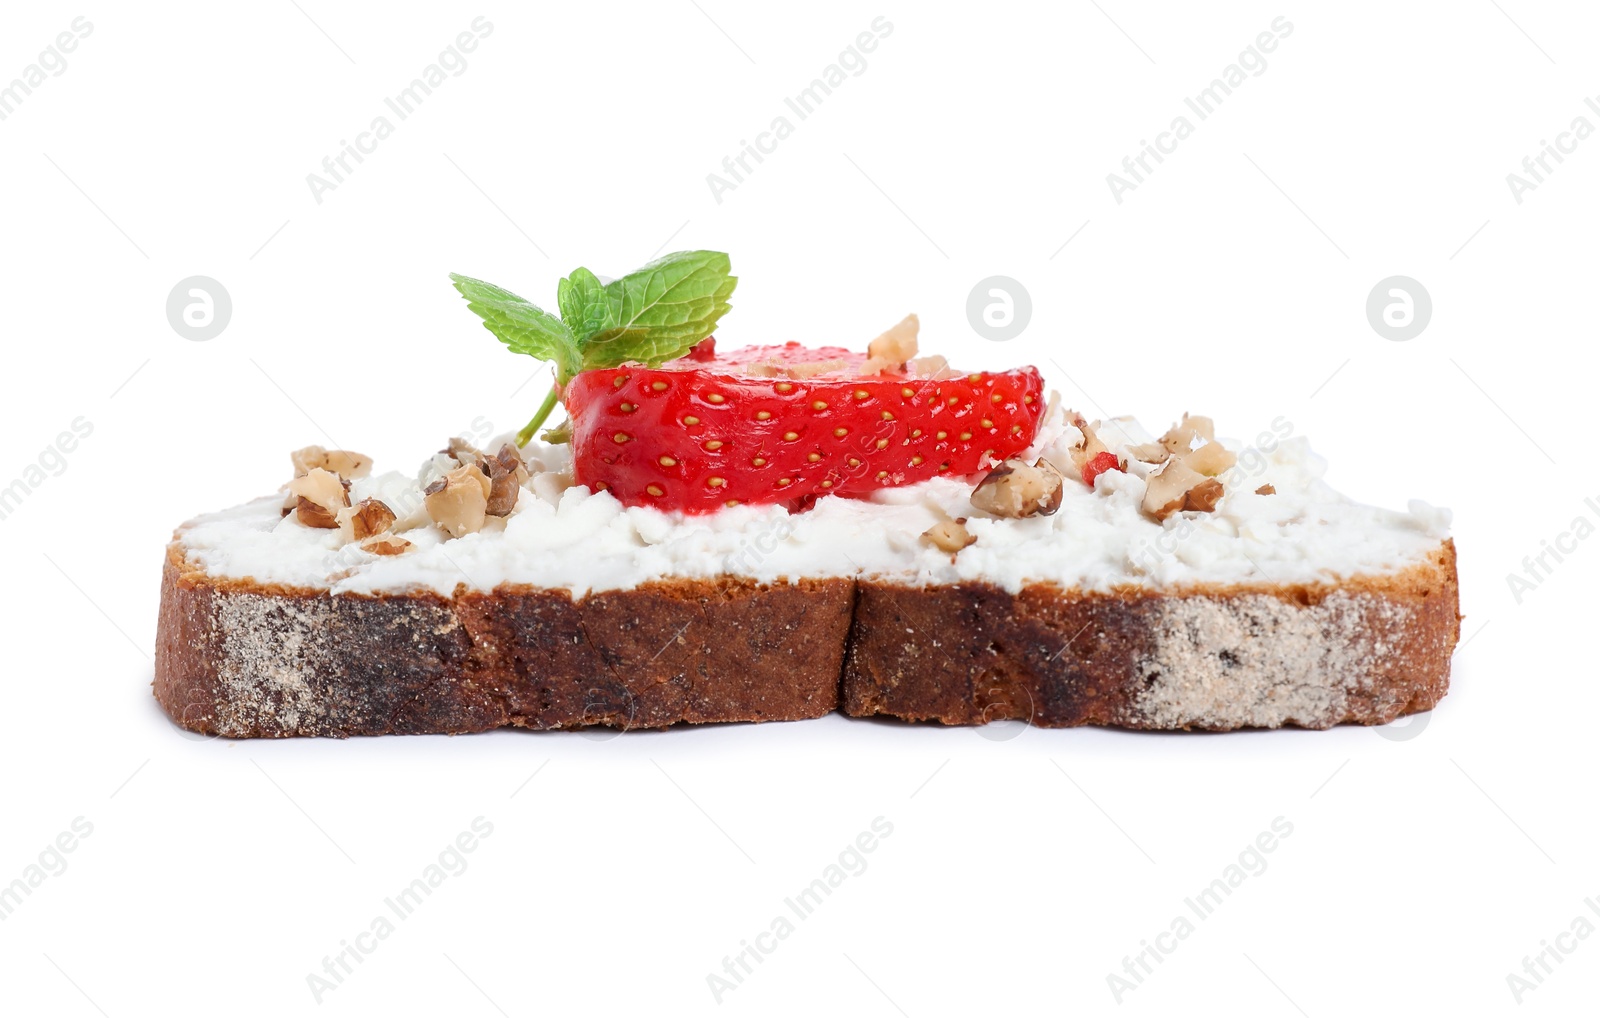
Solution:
(1167, 489)
(459, 501)
(1266, 489)
(950, 535)
(507, 474)
(320, 495)
(368, 518)
(1203, 497)
(348, 465)
(1201, 426)
(932, 367)
(1180, 438)
(1015, 489)
(806, 369)
(894, 347)
(463, 452)
(1150, 452)
(385, 544)
(1211, 459)
(811, 369)
(307, 459)
(311, 514)
(1089, 444)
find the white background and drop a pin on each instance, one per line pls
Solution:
(1423, 867)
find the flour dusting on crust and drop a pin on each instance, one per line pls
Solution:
(283, 660)
(1260, 662)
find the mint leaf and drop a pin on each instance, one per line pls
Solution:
(658, 312)
(585, 306)
(521, 326)
(653, 315)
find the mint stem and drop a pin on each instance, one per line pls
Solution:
(550, 400)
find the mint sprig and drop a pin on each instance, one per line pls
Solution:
(521, 326)
(658, 312)
(649, 316)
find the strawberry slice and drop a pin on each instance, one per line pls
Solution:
(784, 424)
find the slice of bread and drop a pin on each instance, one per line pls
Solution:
(1250, 595)
(249, 660)
(242, 659)
(1366, 651)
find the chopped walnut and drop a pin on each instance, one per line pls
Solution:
(1211, 459)
(950, 535)
(1169, 489)
(385, 544)
(506, 477)
(1180, 438)
(932, 367)
(320, 494)
(463, 452)
(308, 459)
(813, 368)
(368, 518)
(1015, 489)
(807, 369)
(1150, 452)
(1201, 426)
(510, 458)
(1089, 444)
(894, 347)
(1194, 441)
(458, 502)
(348, 465)
(1266, 489)
(1203, 497)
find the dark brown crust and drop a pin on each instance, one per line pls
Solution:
(242, 659)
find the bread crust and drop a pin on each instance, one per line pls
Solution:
(249, 660)
(242, 659)
(1215, 658)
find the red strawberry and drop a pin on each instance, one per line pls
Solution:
(1098, 465)
(754, 426)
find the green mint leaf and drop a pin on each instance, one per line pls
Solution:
(521, 326)
(585, 306)
(660, 311)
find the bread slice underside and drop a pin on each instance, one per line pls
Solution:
(242, 659)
